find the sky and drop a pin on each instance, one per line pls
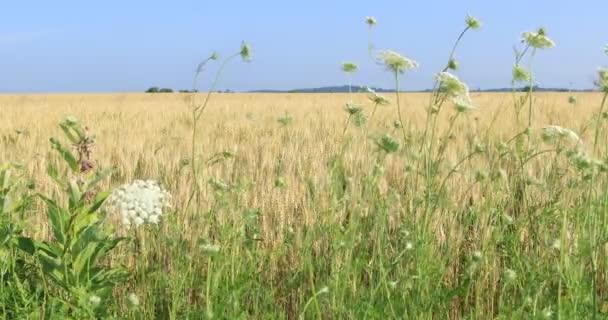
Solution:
(128, 46)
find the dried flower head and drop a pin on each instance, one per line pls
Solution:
(395, 62)
(453, 64)
(352, 109)
(371, 21)
(472, 23)
(141, 202)
(350, 67)
(538, 39)
(376, 98)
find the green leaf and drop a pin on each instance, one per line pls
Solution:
(52, 172)
(26, 245)
(99, 200)
(66, 154)
(85, 258)
(100, 175)
(57, 218)
(75, 193)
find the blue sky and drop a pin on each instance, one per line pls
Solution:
(127, 46)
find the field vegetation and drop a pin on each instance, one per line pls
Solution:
(443, 205)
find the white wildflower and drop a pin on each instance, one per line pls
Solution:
(395, 62)
(132, 300)
(94, 300)
(141, 202)
(538, 40)
(450, 84)
(556, 133)
(463, 104)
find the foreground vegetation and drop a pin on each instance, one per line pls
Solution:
(428, 206)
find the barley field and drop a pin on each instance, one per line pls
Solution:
(301, 212)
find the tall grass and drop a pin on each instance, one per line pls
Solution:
(301, 211)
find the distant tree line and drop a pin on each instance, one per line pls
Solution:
(169, 90)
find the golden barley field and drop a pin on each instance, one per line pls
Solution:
(486, 241)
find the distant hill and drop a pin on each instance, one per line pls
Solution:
(331, 89)
(344, 89)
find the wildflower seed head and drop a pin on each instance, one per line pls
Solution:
(371, 21)
(451, 85)
(324, 290)
(453, 64)
(538, 39)
(141, 202)
(520, 74)
(245, 52)
(352, 109)
(387, 144)
(472, 23)
(395, 62)
(376, 98)
(572, 100)
(214, 56)
(350, 67)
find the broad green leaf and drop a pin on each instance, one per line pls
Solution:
(57, 218)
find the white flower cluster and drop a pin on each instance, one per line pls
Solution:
(457, 89)
(557, 133)
(395, 62)
(141, 202)
(538, 40)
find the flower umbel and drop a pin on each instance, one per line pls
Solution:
(376, 98)
(520, 74)
(450, 84)
(395, 62)
(556, 133)
(350, 67)
(245, 52)
(371, 21)
(538, 40)
(141, 202)
(472, 23)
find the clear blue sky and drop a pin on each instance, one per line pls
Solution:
(125, 46)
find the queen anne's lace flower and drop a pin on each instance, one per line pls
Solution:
(538, 40)
(450, 84)
(555, 133)
(396, 62)
(141, 202)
